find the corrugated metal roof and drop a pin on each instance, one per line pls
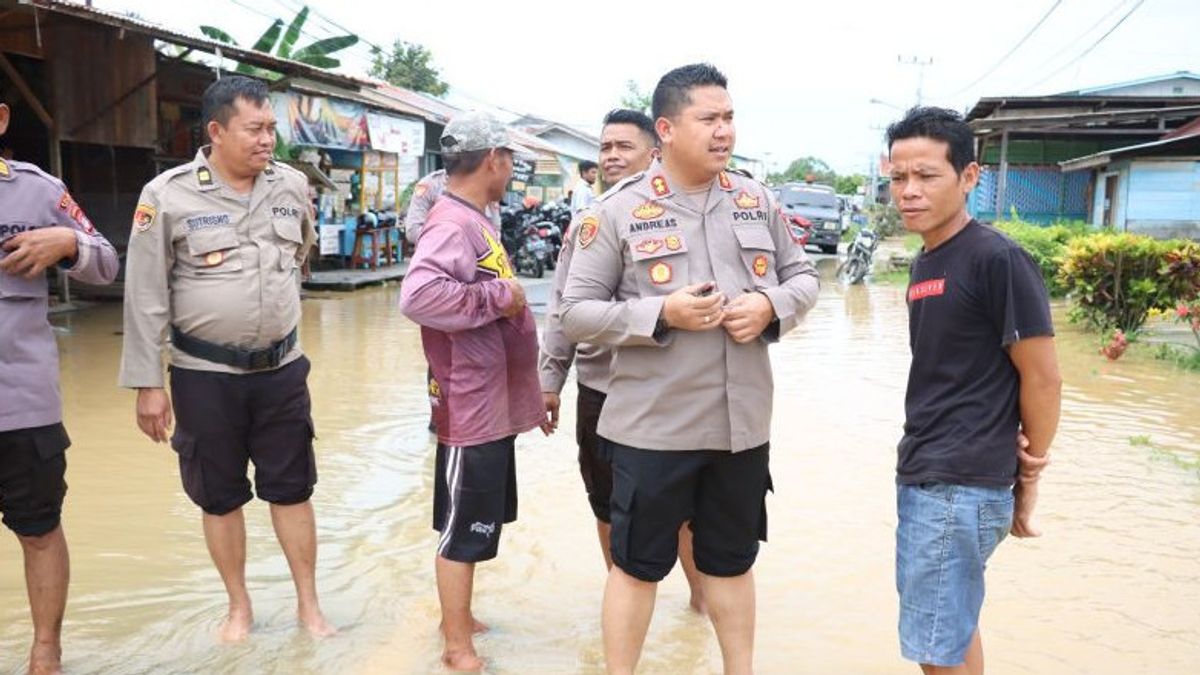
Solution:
(1106, 156)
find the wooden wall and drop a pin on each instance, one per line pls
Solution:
(103, 89)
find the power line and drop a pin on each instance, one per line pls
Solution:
(1012, 51)
(1087, 51)
(303, 32)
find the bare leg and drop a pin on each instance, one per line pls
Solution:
(972, 665)
(604, 530)
(628, 607)
(456, 582)
(226, 539)
(731, 606)
(47, 574)
(296, 529)
(689, 569)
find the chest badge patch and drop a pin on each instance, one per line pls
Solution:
(760, 266)
(673, 242)
(660, 273)
(648, 211)
(649, 246)
(745, 200)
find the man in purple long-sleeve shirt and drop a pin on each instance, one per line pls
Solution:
(40, 226)
(481, 343)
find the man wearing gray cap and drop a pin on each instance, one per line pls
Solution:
(481, 342)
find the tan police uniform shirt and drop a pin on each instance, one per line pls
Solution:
(677, 389)
(218, 265)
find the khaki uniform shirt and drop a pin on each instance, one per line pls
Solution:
(676, 389)
(592, 362)
(218, 265)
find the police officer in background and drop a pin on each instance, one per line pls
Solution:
(40, 226)
(690, 273)
(425, 194)
(213, 260)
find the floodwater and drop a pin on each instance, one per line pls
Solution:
(1112, 587)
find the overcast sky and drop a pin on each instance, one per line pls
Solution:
(801, 74)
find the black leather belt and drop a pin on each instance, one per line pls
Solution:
(246, 359)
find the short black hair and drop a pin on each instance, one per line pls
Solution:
(586, 166)
(219, 98)
(464, 163)
(673, 91)
(636, 118)
(938, 124)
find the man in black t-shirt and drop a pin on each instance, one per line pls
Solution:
(984, 374)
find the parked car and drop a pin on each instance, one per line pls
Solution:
(817, 204)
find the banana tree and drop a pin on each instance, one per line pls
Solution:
(282, 43)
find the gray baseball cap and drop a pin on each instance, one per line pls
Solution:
(477, 130)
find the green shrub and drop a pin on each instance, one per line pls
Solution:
(1117, 278)
(885, 219)
(1046, 244)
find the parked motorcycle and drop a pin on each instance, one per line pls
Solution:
(859, 257)
(532, 255)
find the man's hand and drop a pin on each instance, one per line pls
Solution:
(517, 304)
(1025, 494)
(1031, 466)
(748, 316)
(552, 403)
(32, 251)
(688, 309)
(154, 414)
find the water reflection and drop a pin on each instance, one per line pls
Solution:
(1113, 588)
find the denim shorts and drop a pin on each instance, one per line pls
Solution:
(945, 535)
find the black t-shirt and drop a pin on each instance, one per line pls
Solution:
(968, 300)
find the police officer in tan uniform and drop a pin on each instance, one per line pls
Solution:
(40, 226)
(213, 262)
(689, 273)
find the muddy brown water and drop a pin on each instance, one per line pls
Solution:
(1113, 587)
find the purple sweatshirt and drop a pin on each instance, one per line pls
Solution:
(484, 365)
(29, 200)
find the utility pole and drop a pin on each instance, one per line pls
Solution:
(920, 64)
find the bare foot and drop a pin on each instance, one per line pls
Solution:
(462, 660)
(236, 626)
(477, 627)
(314, 622)
(45, 660)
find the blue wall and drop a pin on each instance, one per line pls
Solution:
(1040, 194)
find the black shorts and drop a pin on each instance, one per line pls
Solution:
(655, 492)
(223, 421)
(474, 495)
(33, 463)
(594, 465)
